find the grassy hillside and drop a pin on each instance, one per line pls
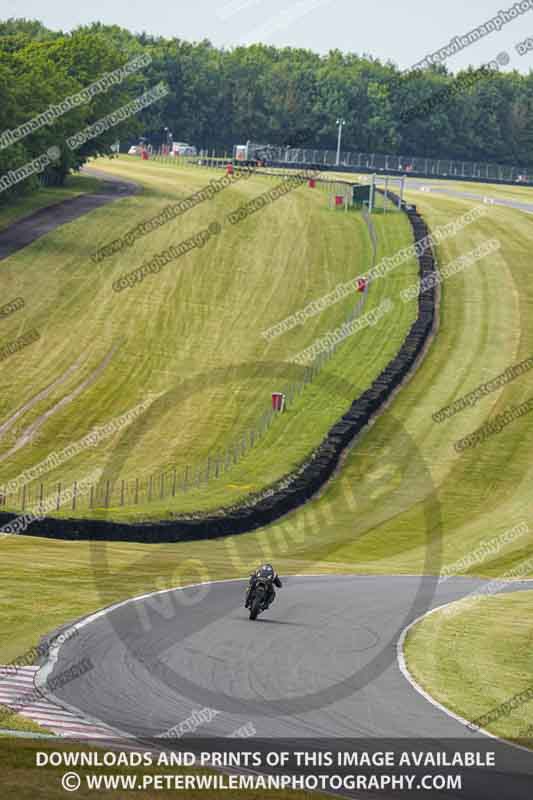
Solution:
(189, 337)
(378, 515)
(498, 630)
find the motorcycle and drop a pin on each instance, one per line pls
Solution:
(258, 598)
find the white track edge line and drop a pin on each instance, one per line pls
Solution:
(53, 654)
(44, 671)
(402, 664)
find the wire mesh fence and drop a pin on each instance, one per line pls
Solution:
(372, 233)
(404, 164)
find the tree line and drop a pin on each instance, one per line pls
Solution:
(219, 97)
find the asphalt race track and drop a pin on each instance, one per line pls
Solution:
(321, 662)
(26, 230)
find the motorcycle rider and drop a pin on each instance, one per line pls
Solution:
(268, 574)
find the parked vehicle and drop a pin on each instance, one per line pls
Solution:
(183, 149)
(253, 155)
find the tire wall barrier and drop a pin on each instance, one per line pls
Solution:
(299, 486)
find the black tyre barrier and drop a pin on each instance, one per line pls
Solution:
(304, 482)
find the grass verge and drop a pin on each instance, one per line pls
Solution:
(475, 655)
(372, 518)
(192, 336)
(23, 780)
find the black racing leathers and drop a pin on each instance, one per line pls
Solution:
(275, 581)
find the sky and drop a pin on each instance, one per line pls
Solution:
(403, 33)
